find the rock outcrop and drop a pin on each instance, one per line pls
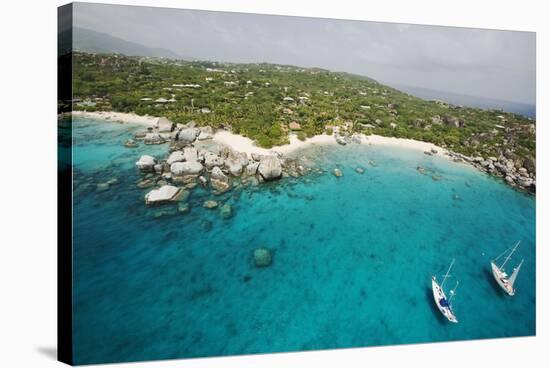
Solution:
(210, 204)
(252, 168)
(187, 135)
(190, 154)
(164, 125)
(146, 163)
(153, 138)
(206, 133)
(186, 168)
(225, 211)
(263, 257)
(211, 160)
(270, 168)
(130, 143)
(234, 166)
(515, 172)
(163, 194)
(176, 156)
(218, 180)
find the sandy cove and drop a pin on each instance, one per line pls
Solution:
(405, 143)
(119, 117)
(243, 144)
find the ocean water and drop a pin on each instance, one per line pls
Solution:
(353, 256)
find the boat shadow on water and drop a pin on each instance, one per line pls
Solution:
(437, 314)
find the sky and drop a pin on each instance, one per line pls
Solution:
(476, 62)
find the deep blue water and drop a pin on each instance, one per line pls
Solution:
(528, 110)
(353, 257)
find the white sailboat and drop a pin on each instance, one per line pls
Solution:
(501, 277)
(443, 304)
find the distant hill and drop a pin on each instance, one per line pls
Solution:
(524, 109)
(97, 42)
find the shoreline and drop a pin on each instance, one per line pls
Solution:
(118, 117)
(246, 145)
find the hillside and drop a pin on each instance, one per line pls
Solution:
(96, 42)
(264, 102)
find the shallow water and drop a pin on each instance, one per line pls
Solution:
(353, 256)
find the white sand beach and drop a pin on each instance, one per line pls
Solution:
(244, 144)
(401, 142)
(119, 117)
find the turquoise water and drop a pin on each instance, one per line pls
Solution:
(353, 257)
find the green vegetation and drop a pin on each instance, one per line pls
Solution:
(261, 100)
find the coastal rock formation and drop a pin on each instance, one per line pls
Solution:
(140, 135)
(203, 181)
(529, 165)
(186, 168)
(190, 154)
(234, 166)
(340, 140)
(218, 180)
(256, 156)
(176, 156)
(517, 173)
(206, 133)
(130, 143)
(158, 168)
(263, 257)
(183, 207)
(210, 204)
(188, 135)
(242, 157)
(453, 121)
(182, 196)
(164, 194)
(270, 168)
(338, 173)
(153, 138)
(252, 168)
(146, 183)
(146, 163)
(211, 160)
(225, 211)
(164, 125)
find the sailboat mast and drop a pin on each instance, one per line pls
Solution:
(447, 274)
(509, 255)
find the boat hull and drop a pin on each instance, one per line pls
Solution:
(500, 278)
(439, 295)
